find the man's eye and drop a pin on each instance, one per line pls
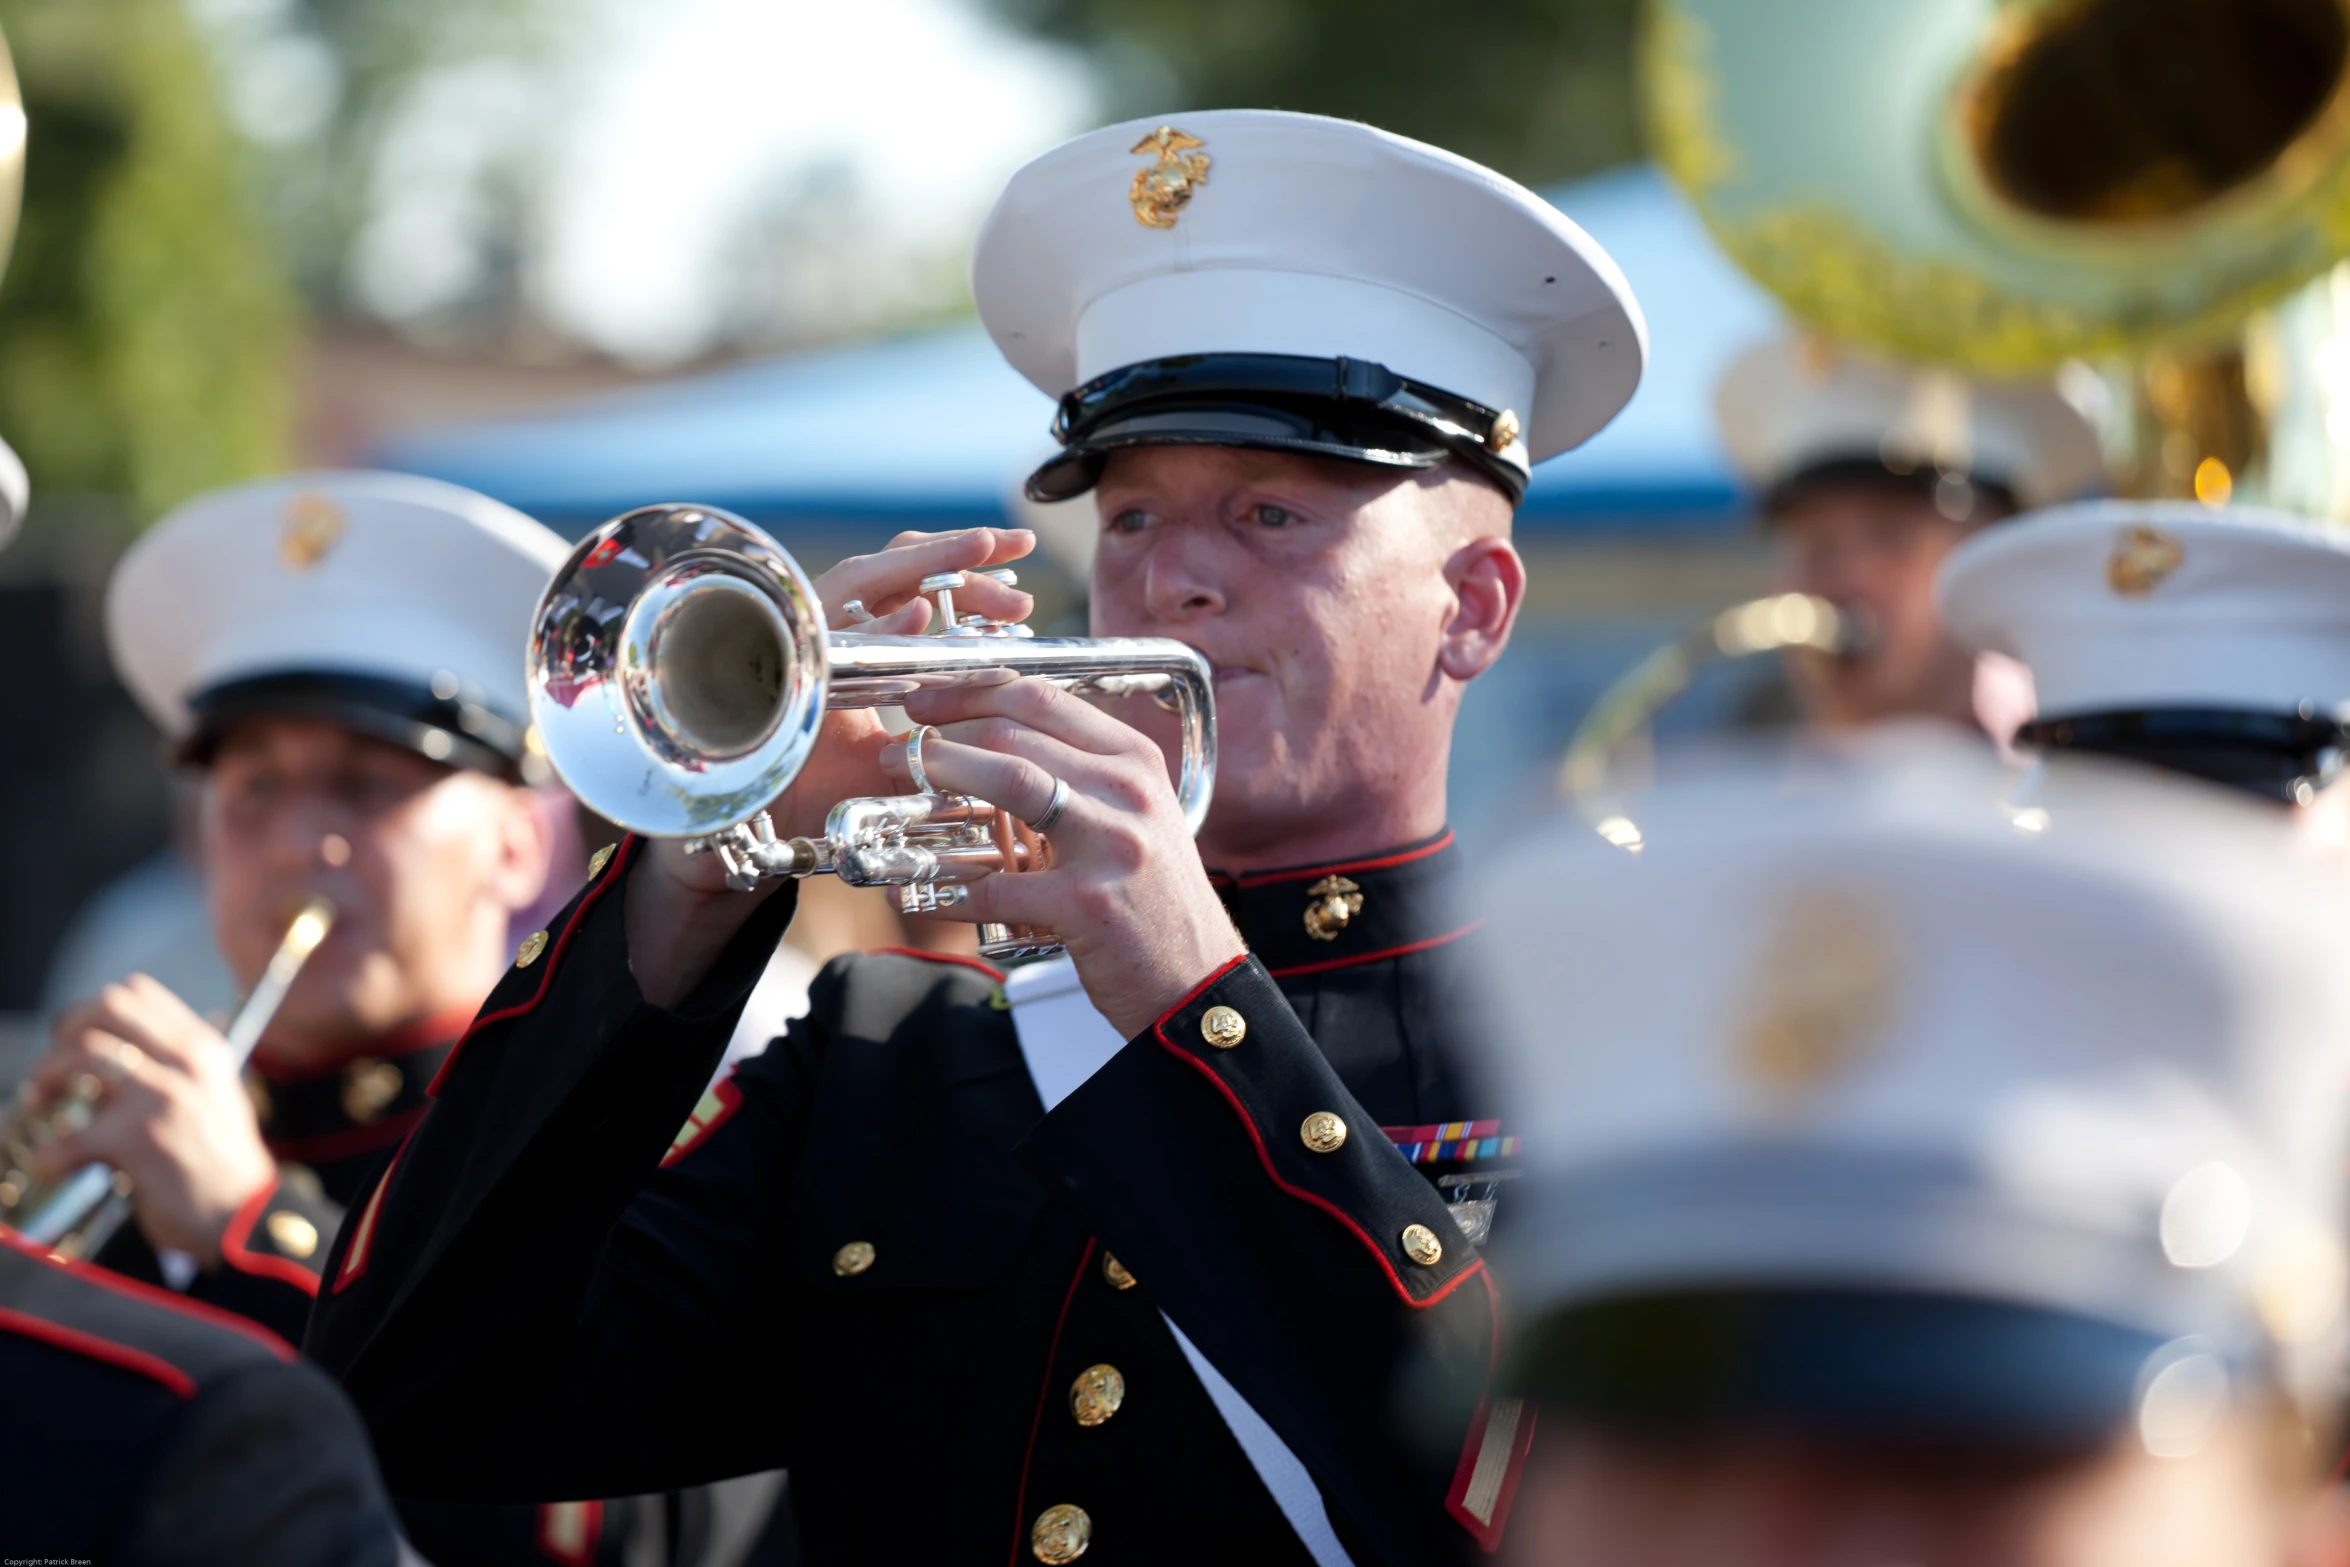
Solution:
(1273, 516)
(1133, 520)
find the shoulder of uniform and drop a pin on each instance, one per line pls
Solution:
(872, 992)
(95, 1315)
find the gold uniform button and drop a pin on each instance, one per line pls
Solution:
(1323, 1132)
(1096, 1394)
(1222, 1027)
(1421, 1245)
(293, 1234)
(1115, 1272)
(601, 858)
(853, 1259)
(532, 945)
(1060, 1534)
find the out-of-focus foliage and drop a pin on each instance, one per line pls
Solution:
(1540, 89)
(145, 325)
(324, 89)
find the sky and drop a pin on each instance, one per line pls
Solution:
(669, 173)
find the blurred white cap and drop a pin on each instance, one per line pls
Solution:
(1799, 407)
(1867, 1033)
(391, 603)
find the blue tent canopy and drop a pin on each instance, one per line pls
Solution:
(935, 430)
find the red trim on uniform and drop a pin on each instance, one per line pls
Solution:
(327, 1146)
(553, 1529)
(90, 1346)
(268, 1265)
(553, 956)
(1265, 1157)
(1487, 1531)
(1317, 872)
(989, 969)
(363, 1233)
(1043, 1397)
(1407, 948)
(148, 1294)
(695, 1133)
(424, 1034)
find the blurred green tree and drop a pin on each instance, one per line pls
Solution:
(1540, 89)
(145, 323)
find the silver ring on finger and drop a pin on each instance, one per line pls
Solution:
(914, 768)
(1053, 807)
(856, 612)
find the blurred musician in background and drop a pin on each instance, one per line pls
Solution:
(336, 657)
(1868, 474)
(147, 1430)
(1121, 1253)
(1909, 1188)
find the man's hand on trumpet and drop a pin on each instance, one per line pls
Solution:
(171, 1113)
(680, 912)
(1125, 892)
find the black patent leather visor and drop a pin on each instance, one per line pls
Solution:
(1850, 1366)
(2277, 756)
(457, 729)
(1349, 409)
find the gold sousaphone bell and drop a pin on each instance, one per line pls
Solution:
(2005, 185)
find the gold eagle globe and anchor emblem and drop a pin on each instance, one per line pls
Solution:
(1335, 902)
(2143, 559)
(1163, 190)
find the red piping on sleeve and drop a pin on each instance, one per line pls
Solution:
(990, 970)
(363, 1233)
(604, 883)
(1265, 1157)
(235, 1253)
(108, 1279)
(92, 1347)
(1405, 950)
(1044, 1396)
(697, 1130)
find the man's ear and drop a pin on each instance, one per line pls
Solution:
(526, 844)
(1488, 582)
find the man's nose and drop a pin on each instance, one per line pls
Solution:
(1179, 584)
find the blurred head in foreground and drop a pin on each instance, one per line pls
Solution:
(1907, 1188)
(2209, 643)
(1868, 474)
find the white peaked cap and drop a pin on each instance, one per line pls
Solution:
(1861, 1028)
(1319, 238)
(380, 575)
(1797, 403)
(2126, 605)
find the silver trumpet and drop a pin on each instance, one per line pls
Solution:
(680, 668)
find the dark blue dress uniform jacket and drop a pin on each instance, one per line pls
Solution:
(871, 1257)
(142, 1431)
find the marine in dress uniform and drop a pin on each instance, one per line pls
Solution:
(1907, 1187)
(1866, 474)
(144, 1429)
(996, 1276)
(389, 610)
(2210, 642)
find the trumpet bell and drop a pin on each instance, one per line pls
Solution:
(689, 637)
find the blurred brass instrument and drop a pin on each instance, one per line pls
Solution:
(76, 1214)
(680, 668)
(2003, 186)
(1625, 710)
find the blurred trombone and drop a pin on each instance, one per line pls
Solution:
(78, 1214)
(1626, 710)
